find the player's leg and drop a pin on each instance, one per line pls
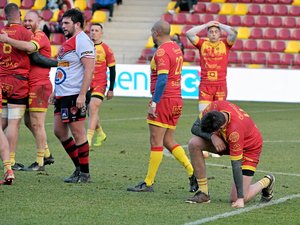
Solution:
(15, 114)
(94, 106)
(179, 154)
(196, 145)
(79, 133)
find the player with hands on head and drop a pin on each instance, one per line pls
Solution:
(226, 129)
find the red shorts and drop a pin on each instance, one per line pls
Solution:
(208, 93)
(15, 89)
(98, 91)
(38, 97)
(168, 111)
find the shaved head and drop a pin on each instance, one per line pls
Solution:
(31, 21)
(161, 27)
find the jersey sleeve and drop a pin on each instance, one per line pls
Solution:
(110, 58)
(236, 143)
(162, 61)
(84, 47)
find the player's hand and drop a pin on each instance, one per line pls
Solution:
(109, 95)
(80, 101)
(239, 203)
(213, 23)
(152, 110)
(218, 143)
(51, 99)
(3, 37)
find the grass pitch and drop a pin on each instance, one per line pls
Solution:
(122, 161)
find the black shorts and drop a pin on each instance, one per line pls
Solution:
(66, 108)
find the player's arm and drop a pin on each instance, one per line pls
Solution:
(27, 46)
(112, 77)
(191, 34)
(42, 61)
(238, 177)
(232, 33)
(196, 130)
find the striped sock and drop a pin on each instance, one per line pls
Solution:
(203, 185)
(47, 151)
(180, 155)
(71, 148)
(40, 157)
(90, 134)
(83, 156)
(7, 165)
(12, 156)
(264, 182)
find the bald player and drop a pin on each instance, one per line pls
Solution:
(165, 106)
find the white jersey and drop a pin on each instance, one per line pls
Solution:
(70, 70)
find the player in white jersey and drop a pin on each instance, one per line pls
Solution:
(73, 78)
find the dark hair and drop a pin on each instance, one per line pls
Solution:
(11, 10)
(213, 26)
(98, 24)
(212, 121)
(75, 15)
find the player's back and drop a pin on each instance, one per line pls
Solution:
(12, 60)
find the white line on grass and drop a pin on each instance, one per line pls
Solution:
(243, 210)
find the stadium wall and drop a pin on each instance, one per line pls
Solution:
(268, 85)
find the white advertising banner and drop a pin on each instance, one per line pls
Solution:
(270, 85)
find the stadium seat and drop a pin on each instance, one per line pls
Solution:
(262, 21)
(218, 1)
(2, 14)
(55, 16)
(23, 13)
(246, 57)
(284, 34)
(256, 33)
(248, 21)
(296, 2)
(289, 22)
(288, 2)
(57, 38)
(213, 8)
(294, 11)
(80, 4)
(271, 1)
(88, 14)
(240, 9)
(206, 18)
(147, 54)
(193, 19)
(167, 17)
(89, 4)
(1, 24)
(275, 21)
(233, 57)
(258, 1)
(253, 9)
(238, 45)
(179, 18)
(273, 58)
(295, 35)
(54, 51)
(186, 43)
(200, 8)
(189, 56)
(185, 29)
(259, 58)
(171, 6)
(3, 4)
(226, 9)
(292, 47)
(150, 43)
(87, 27)
(234, 20)
(39, 4)
(278, 46)
(245, 1)
(287, 59)
(221, 18)
(27, 4)
(267, 10)
(175, 29)
(17, 2)
(280, 10)
(99, 16)
(264, 46)
(46, 14)
(250, 45)
(270, 33)
(297, 60)
(243, 33)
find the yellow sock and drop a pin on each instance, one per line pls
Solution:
(12, 156)
(203, 185)
(47, 151)
(179, 153)
(156, 156)
(99, 130)
(264, 182)
(90, 134)
(40, 157)
(7, 165)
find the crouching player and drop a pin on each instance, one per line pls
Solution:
(226, 129)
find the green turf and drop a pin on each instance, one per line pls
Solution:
(43, 198)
